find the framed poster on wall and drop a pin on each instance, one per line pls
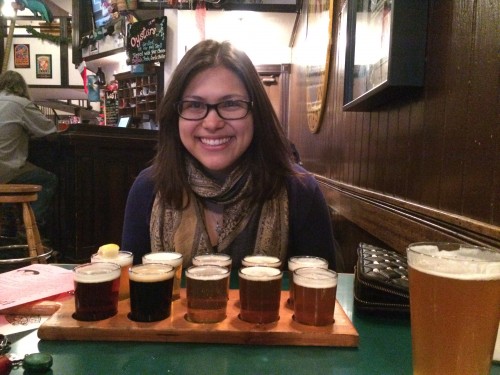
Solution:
(21, 56)
(43, 66)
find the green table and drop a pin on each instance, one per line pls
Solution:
(384, 348)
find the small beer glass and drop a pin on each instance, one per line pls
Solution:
(299, 262)
(125, 260)
(172, 258)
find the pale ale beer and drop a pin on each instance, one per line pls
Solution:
(300, 262)
(455, 307)
(315, 293)
(96, 290)
(261, 260)
(151, 291)
(172, 258)
(260, 293)
(206, 290)
(125, 260)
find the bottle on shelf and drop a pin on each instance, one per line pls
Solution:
(101, 77)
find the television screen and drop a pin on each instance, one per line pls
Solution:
(101, 10)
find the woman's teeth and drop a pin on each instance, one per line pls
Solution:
(214, 142)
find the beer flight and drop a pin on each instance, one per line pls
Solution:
(153, 285)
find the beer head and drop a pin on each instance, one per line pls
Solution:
(261, 260)
(313, 277)
(166, 257)
(123, 258)
(453, 260)
(306, 261)
(97, 272)
(207, 272)
(151, 272)
(223, 260)
(260, 273)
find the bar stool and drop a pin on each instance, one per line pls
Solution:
(24, 194)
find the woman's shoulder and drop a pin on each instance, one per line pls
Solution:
(144, 180)
(302, 180)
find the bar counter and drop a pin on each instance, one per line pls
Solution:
(384, 348)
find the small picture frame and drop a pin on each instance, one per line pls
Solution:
(21, 56)
(43, 66)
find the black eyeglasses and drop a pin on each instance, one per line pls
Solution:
(227, 110)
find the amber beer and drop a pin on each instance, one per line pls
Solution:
(315, 293)
(125, 260)
(207, 293)
(260, 293)
(151, 291)
(455, 307)
(96, 290)
(172, 258)
(300, 262)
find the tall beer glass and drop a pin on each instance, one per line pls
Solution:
(96, 290)
(261, 260)
(124, 259)
(260, 293)
(172, 258)
(315, 294)
(300, 262)
(151, 291)
(206, 290)
(455, 307)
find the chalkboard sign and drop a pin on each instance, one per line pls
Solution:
(147, 41)
(111, 107)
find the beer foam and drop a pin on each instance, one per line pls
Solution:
(167, 257)
(260, 273)
(222, 259)
(96, 273)
(123, 258)
(207, 272)
(306, 261)
(465, 263)
(318, 278)
(261, 260)
(151, 272)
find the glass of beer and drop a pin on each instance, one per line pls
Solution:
(315, 292)
(260, 294)
(151, 291)
(172, 258)
(96, 290)
(454, 306)
(261, 260)
(299, 262)
(215, 259)
(125, 260)
(206, 290)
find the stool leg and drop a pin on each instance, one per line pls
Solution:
(32, 235)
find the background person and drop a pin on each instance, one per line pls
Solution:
(223, 179)
(20, 120)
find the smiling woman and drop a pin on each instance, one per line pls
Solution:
(222, 179)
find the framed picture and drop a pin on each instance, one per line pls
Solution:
(21, 56)
(385, 53)
(43, 66)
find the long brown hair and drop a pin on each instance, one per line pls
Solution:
(269, 152)
(13, 83)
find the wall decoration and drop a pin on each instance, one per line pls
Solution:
(147, 41)
(385, 54)
(43, 66)
(319, 43)
(21, 56)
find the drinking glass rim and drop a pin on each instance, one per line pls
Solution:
(453, 246)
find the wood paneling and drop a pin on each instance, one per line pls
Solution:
(435, 155)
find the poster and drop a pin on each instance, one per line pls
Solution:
(147, 41)
(43, 66)
(21, 56)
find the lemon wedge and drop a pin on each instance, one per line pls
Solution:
(109, 250)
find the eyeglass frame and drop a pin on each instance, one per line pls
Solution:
(213, 106)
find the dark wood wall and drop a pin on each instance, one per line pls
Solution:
(425, 167)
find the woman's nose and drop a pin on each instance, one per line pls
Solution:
(213, 120)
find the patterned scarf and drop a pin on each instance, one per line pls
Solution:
(184, 231)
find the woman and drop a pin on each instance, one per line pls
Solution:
(222, 179)
(20, 120)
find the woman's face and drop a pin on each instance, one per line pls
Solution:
(216, 143)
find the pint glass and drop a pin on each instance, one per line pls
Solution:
(96, 290)
(261, 260)
(260, 293)
(315, 293)
(455, 307)
(175, 260)
(300, 262)
(124, 259)
(206, 291)
(151, 291)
